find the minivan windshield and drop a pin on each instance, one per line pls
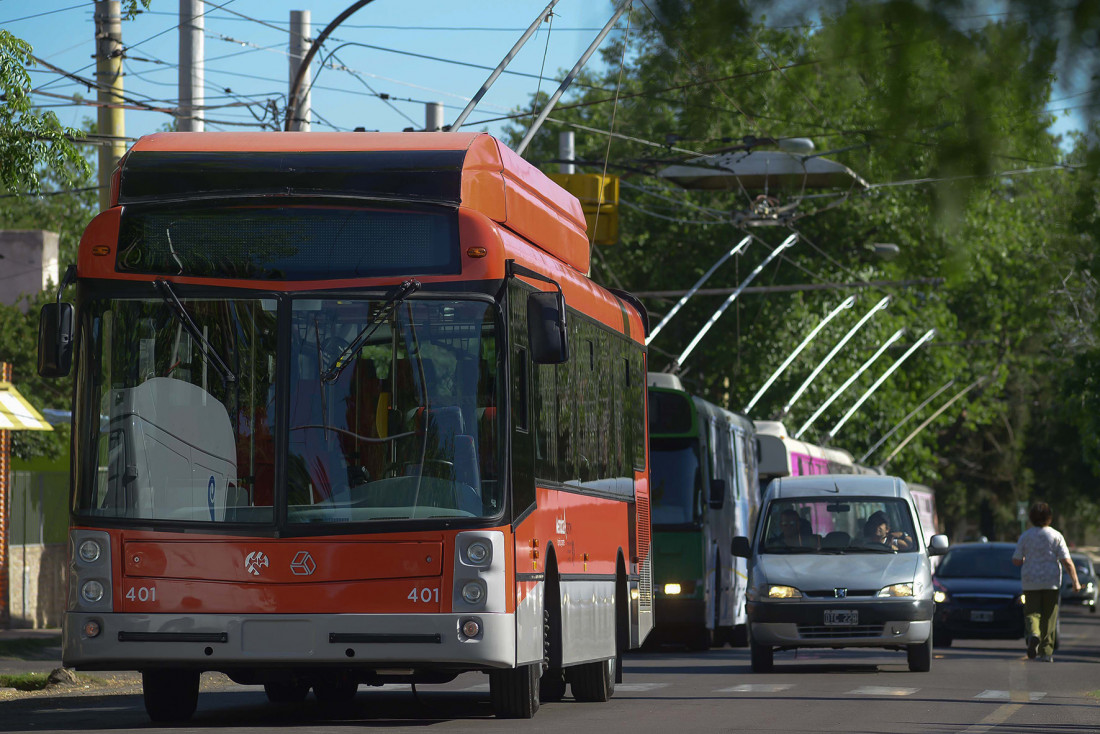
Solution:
(836, 525)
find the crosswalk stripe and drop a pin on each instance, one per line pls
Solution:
(1011, 695)
(882, 691)
(757, 688)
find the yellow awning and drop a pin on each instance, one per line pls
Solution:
(16, 414)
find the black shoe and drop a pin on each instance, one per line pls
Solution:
(1032, 646)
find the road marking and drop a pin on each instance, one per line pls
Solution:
(999, 716)
(638, 687)
(882, 691)
(1018, 696)
(757, 688)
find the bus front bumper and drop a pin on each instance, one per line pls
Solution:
(226, 641)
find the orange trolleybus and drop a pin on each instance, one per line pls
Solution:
(349, 411)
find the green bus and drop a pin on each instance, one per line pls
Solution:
(704, 493)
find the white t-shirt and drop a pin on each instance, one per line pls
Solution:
(1041, 549)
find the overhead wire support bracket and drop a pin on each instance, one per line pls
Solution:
(832, 353)
(928, 336)
(848, 383)
(679, 361)
(501, 67)
(845, 304)
(739, 247)
(569, 78)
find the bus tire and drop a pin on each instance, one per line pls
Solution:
(762, 657)
(515, 692)
(593, 682)
(336, 689)
(170, 695)
(286, 691)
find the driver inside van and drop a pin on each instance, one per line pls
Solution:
(876, 531)
(792, 532)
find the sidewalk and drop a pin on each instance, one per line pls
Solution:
(29, 651)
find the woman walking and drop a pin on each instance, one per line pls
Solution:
(1041, 553)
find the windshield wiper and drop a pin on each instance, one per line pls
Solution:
(399, 294)
(182, 315)
(869, 549)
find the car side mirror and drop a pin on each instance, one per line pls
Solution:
(937, 545)
(717, 493)
(55, 340)
(740, 547)
(546, 330)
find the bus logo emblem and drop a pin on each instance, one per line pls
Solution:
(303, 564)
(254, 561)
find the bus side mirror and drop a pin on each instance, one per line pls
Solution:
(717, 493)
(546, 330)
(937, 545)
(55, 340)
(740, 547)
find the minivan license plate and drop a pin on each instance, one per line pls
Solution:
(845, 617)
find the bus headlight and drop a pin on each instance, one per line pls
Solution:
(478, 553)
(473, 593)
(92, 591)
(672, 589)
(90, 551)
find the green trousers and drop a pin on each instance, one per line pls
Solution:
(1041, 617)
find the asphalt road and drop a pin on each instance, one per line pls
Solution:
(974, 687)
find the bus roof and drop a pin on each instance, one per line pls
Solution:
(471, 170)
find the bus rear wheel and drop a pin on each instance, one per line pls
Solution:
(515, 692)
(593, 682)
(170, 695)
(286, 691)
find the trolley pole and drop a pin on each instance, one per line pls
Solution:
(192, 68)
(300, 43)
(108, 75)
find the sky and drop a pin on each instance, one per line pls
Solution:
(247, 58)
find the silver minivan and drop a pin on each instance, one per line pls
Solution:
(839, 561)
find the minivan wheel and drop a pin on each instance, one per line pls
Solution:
(920, 656)
(763, 657)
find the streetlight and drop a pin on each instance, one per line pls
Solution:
(847, 383)
(835, 350)
(845, 304)
(928, 335)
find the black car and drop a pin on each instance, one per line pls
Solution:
(978, 594)
(1086, 574)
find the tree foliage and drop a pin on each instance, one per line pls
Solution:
(900, 93)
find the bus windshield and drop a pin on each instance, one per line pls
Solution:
(675, 481)
(404, 426)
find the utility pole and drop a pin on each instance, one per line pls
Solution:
(567, 152)
(433, 116)
(108, 76)
(192, 67)
(299, 47)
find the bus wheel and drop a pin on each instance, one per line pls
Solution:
(593, 682)
(170, 695)
(763, 657)
(336, 689)
(552, 685)
(515, 692)
(286, 691)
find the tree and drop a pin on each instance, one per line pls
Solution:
(973, 105)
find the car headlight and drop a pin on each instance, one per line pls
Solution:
(1021, 599)
(783, 592)
(896, 590)
(672, 589)
(939, 597)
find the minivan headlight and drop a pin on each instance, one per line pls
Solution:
(783, 592)
(896, 590)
